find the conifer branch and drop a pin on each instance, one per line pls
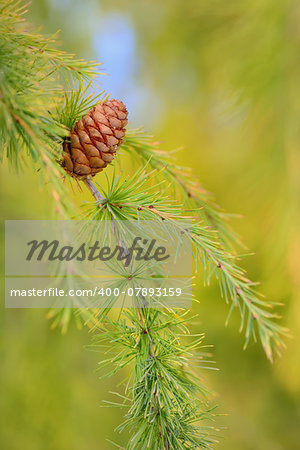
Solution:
(166, 400)
(31, 86)
(138, 198)
(163, 402)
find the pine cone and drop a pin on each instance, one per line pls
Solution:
(95, 138)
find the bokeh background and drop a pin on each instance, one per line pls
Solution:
(221, 79)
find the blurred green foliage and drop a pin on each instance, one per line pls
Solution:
(223, 80)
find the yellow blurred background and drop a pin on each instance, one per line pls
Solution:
(220, 79)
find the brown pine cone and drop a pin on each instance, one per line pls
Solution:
(95, 138)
